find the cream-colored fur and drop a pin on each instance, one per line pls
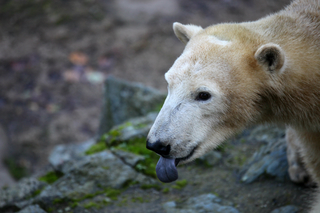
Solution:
(267, 71)
(297, 170)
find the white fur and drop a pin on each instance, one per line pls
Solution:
(217, 41)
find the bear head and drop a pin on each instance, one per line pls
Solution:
(215, 89)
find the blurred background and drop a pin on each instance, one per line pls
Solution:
(55, 56)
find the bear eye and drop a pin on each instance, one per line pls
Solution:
(203, 96)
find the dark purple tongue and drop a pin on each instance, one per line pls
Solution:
(166, 170)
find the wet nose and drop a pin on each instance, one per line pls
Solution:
(159, 148)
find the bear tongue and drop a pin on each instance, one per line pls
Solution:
(166, 170)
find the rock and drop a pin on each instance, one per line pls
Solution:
(124, 100)
(133, 128)
(17, 194)
(32, 209)
(211, 158)
(90, 175)
(286, 209)
(202, 204)
(66, 152)
(271, 159)
(168, 206)
(274, 164)
(5, 176)
(128, 157)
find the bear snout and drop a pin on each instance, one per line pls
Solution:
(159, 148)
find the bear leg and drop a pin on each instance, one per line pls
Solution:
(297, 170)
(310, 153)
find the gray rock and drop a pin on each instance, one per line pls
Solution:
(169, 205)
(124, 100)
(274, 164)
(67, 152)
(128, 157)
(271, 159)
(132, 128)
(203, 200)
(16, 194)
(32, 209)
(203, 204)
(90, 175)
(286, 209)
(211, 158)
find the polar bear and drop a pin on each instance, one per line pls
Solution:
(233, 75)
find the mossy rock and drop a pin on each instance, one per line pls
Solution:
(51, 177)
(130, 137)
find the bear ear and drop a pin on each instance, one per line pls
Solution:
(185, 32)
(270, 56)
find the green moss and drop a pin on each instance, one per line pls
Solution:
(137, 199)
(138, 146)
(128, 183)
(113, 193)
(150, 186)
(111, 138)
(16, 170)
(89, 196)
(238, 160)
(51, 177)
(74, 204)
(140, 126)
(158, 107)
(180, 184)
(165, 190)
(109, 192)
(35, 193)
(123, 202)
(114, 132)
(242, 140)
(98, 147)
(58, 201)
(92, 205)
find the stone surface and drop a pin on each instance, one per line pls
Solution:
(66, 152)
(270, 159)
(206, 203)
(286, 209)
(32, 209)
(128, 157)
(274, 164)
(16, 194)
(124, 100)
(91, 174)
(134, 128)
(211, 158)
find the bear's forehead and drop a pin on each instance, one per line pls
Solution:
(200, 59)
(198, 72)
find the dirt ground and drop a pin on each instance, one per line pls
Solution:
(54, 56)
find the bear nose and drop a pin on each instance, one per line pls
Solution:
(159, 148)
